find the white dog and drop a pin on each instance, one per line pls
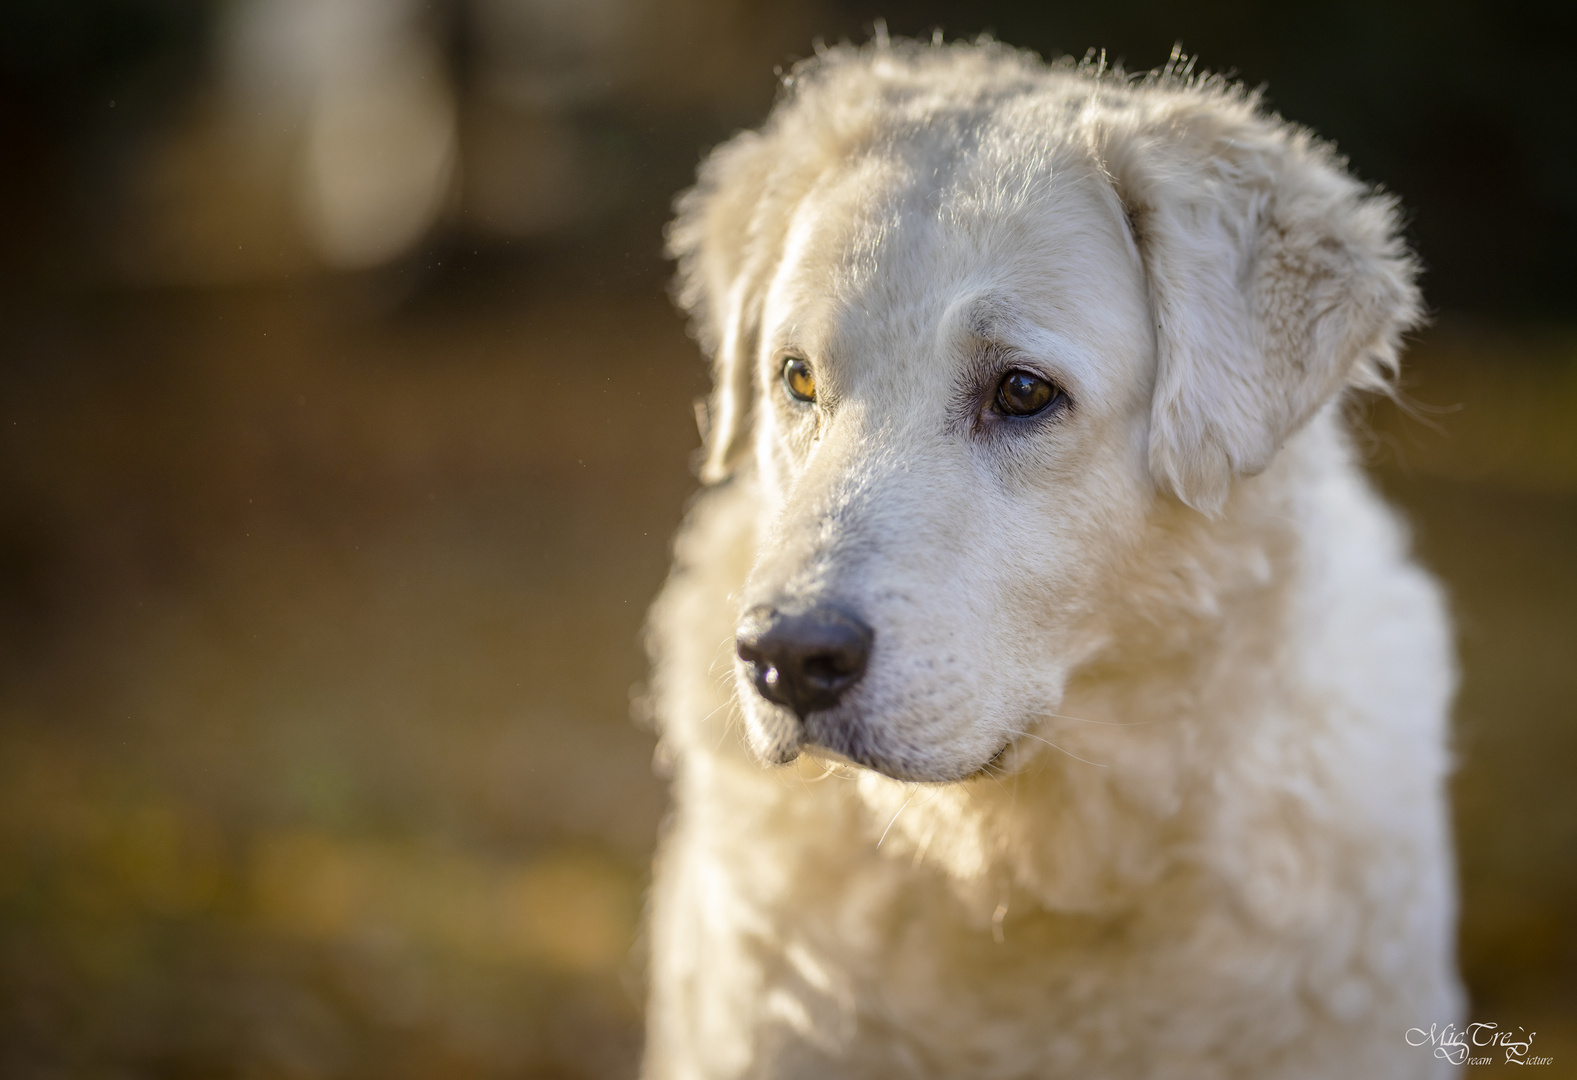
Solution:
(1047, 691)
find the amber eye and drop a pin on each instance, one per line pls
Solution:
(798, 380)
(1022, 393)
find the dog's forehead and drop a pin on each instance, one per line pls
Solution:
(881, 250)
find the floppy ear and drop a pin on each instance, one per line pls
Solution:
(711, 238)
(1275, 280)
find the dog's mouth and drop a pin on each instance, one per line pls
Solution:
(841, 747)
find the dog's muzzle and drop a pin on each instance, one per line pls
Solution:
(807, 659)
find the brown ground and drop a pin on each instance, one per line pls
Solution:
(319, 629)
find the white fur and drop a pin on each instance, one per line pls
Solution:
(1152, 742)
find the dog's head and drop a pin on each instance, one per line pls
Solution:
(973, 321)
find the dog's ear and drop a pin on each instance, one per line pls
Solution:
(713, 238)
(1275, 280)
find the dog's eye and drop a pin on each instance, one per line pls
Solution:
(1023, 393)
(798, 379)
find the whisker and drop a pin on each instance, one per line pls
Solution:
(1054, 746)
(924, 846)
(731, 720)
(894, 821)
(711, 668)
(832, 767)
(717, 710)
(1103, 723)
(992, 770)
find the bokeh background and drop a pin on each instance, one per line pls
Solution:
(344, 423)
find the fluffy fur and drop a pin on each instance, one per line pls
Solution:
(1145, 778)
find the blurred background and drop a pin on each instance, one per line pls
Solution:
(344, 423)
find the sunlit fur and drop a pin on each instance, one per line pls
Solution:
(1152, 741)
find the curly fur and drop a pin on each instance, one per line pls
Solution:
(1146, 776)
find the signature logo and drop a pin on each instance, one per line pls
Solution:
(1477, 1044)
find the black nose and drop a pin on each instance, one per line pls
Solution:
(804, 660)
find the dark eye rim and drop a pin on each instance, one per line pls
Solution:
(787, 362)
(1057, 401)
